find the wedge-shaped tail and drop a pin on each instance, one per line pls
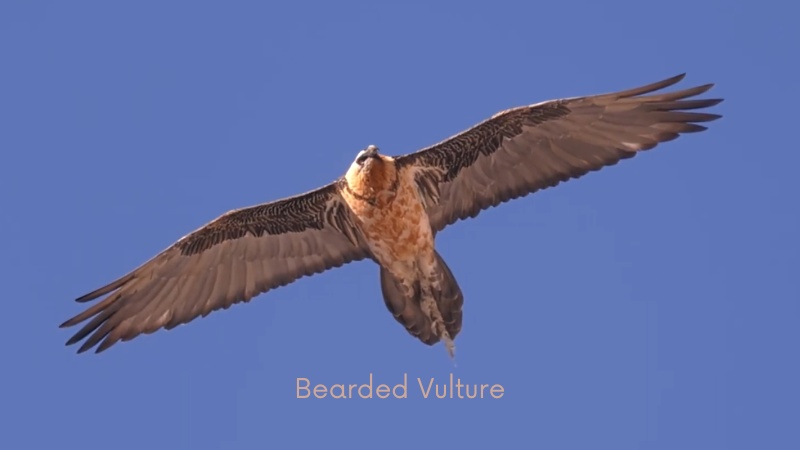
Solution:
(412, 310)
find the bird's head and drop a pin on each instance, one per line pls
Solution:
(365, 157)
(371, 172)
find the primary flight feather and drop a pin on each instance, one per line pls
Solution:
(389, 209)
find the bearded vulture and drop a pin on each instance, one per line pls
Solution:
(389, 209)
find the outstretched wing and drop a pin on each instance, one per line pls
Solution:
(522, 150)
(232, 259)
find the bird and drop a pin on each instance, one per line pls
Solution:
(389, 209)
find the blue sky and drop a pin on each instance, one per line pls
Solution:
(653, 305)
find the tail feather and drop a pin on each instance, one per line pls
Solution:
(408, 310)
(450, 299)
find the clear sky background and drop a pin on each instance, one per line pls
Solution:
(653, 305)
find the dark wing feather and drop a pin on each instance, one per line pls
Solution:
(522, 150)
(232, 259)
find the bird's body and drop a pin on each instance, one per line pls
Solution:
(389, 210)
(391, 214)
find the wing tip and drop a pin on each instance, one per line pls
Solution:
(656, 86)
(77, 337)
(114, 285)
(105, 345)
(87, 297)
(74, 340)
(701, 89)
(676, 78)
(89, 344)
(69, 322)
(665, 83)
(84, 348)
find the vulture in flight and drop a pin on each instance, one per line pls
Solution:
(389, 209)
